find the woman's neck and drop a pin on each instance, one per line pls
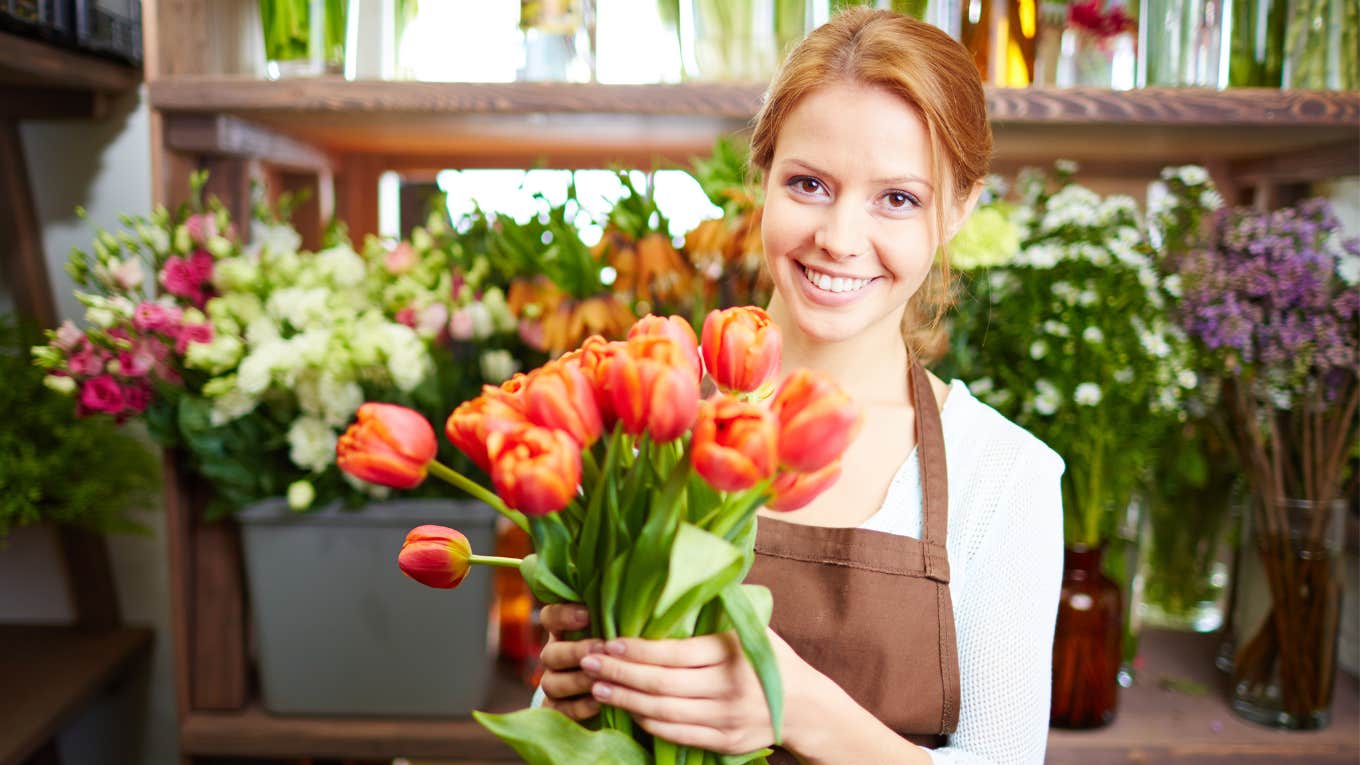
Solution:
(870, 367)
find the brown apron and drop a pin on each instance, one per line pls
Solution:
(871, 610)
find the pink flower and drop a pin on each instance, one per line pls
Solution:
(128, 274)
(461, 325)
(155, 317)
(193, 333)
(101, 394)
(87, 361)
(201, 264)
(400, 259)
(137, 397)
(202, 227)
(531, 332)
(133, 364)
(433, 318)
(407, 316)
(68, 336)
(185, 278)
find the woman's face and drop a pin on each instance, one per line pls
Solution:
(850, 211)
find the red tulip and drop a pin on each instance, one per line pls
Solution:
(535, 470)
(435, 556)
(674, 327)
(816, 421)
(470, 424)
(795, 490)
(590, 356)
(559, 396)
(741, 348)
(650, 387)
(733, 446)
(388, 445)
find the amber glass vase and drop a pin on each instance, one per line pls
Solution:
(1086, 646)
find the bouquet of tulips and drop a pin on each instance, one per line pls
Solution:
(640, 496)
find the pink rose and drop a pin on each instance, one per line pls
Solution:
(155, 317)
(68, 336)
(101, 394)
(400, 259)
(193, 333)
(202, 227)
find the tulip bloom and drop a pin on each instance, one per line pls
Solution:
(674, 327)
(435, 556)
(535, 470)
(816, 421)
(650, 387)
(469, 425)
(388, 445)
(741, 348)
(559, 396)
(795, 490)
(589, 357)
(733, 446)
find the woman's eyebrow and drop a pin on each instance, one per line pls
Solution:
(895, 181)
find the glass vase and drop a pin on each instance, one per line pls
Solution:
(1186, 560)
(1052, 20)
(559, 40)
(1257, 44)
(1086, 644)
(1288, 611)
(729, 40)
(1320, 50)
(303, 38)
(1098, 46)
(1181, 43)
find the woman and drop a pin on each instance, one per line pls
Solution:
(915, 599)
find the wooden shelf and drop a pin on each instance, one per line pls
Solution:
(1153, 725)
(39, 80)
(50, 672)
(413, 125)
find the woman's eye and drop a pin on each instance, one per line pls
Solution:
(900, 200)
(806, 185)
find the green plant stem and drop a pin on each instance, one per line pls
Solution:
(495, 560)
(461, 481)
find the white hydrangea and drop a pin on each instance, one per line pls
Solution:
(498, 366)
(340, 399)
(311, 346)
(261, 330)
(1046, 398)
(407, 360)
(274, 238)
(235, 274)
(1087, 394)
(1093, 335)
(341, 266)
(257, 368)
(311, 444)
(231, 405)
(301, 307)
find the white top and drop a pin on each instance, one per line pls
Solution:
(1005, 548)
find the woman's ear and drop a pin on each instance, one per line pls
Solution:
(963, 208)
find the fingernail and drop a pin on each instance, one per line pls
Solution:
(580, 614)
(601, 691)
(596, 647)
(615, 647)
(590, 664)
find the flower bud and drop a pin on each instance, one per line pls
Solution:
(435, 556)
(741, 348)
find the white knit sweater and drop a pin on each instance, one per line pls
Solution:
(1005, 564)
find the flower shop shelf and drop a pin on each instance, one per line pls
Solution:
(419, 125)
(1153, 725)
(39, 80)
(50, 672)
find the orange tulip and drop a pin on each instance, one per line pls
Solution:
(795, 490)
(650, 386)
(674, 327)
(469, 425)
(733, 446)
(590, 356)
(741, 348)
(535, 470)
(435, 556)
(816, 421)
(559, 396)
(388, 445)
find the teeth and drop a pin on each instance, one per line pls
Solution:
(833, 283)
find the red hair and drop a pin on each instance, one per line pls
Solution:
(931, 72)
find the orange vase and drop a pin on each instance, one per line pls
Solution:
(1086, 646)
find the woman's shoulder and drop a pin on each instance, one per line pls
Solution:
(987, 440)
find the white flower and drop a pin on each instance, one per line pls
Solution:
(1087, 394)
(1046, 399)
(1172, 284)
(1066, 166)
(100, 317)
(1116, 205)
(1038, 349)
(1348, 268)
(261, 330)
(1000, 281)
(999, 398)
(1123, 376)
(501, 318)
(275, 239)
(1094, 253)
(498, 365)
(339, 400)
(231, 405)
(1057, 328)
(301, 307)
(1088, 297)
(301, 495)
(1193, 175)
(981, 386)
(1066, 292)
(341, 266)
(1040, 256)
(129, 274)
(257, 368)
(233, 274)
(371, 489)
(1155, 344)
(311, 444)
(1210, 199)
(214, 357)
(1093, 335)
(483, 325)
(60, 383)
(1187, 379)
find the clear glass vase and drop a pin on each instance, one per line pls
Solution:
(559, 40)
(303, 38)
(1186, 560)
(1181, 43)
(730, 40)
(1287, 613)
(1322, 38)
(1257, 44)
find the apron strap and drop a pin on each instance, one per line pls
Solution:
(934, 473)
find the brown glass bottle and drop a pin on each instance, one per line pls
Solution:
(1086, 645)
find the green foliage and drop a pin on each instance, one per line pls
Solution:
(85, 473)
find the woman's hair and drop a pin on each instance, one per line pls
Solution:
(930, 71)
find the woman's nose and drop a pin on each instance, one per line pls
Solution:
(841, 233)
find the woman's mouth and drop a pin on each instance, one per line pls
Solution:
(832, 284)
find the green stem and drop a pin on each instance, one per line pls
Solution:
(480, 492)
(495, 560)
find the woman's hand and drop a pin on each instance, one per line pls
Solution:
(565, 687)
(698, 691)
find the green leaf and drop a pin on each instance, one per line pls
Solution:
(544, 584)
(701, 565)
(757, 756)
(755, 643)
(552, 544)
(547, 737)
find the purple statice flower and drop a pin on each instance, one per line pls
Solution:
(1264, 298)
